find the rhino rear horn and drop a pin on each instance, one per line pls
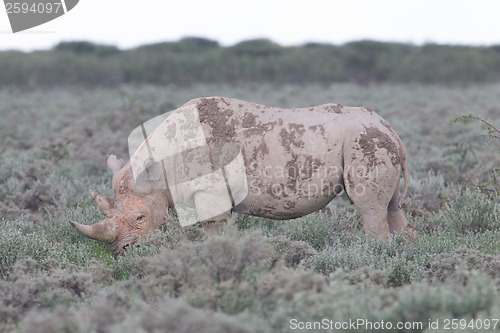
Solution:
(106, 205)
(114, 163)
(104, 230)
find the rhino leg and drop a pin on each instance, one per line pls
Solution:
(208, 205)
(397, 220)
(375, 192)
(375, 223)
(371, 190)
(215, 226)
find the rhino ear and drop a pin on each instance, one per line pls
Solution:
(114, 163)
(106, 205)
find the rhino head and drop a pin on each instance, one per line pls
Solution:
(132, 214)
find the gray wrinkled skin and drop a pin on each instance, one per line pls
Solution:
(296, 162)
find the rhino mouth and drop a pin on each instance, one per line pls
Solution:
(119, 249)
(120, 245)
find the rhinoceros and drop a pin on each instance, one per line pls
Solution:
(282, 164)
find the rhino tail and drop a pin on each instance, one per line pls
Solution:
(404, 167)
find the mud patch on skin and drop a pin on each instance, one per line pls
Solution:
(309, 167)
(291, 167)
(251, 127)
(337, 108)
(315, 128)
(299, 128)
(389, 127)
(125, 185)
(375, 138)
(292, 137)
(302, 168)
(249, 120)
(171, 132)
(223, 126)
(262, 149)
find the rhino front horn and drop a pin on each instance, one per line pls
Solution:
(104, 231)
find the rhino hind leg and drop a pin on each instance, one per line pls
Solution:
(376, 192)
(371, 190)
(397, 220)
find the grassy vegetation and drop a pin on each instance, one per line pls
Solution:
(261, 273)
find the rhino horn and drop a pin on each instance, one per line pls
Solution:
(114, 163)
(104, 230)
(105, 204)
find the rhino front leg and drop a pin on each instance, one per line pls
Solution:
(215, 227)
(212, 210)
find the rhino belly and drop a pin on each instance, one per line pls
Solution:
(291, 190)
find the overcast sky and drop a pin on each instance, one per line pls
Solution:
(127, 23)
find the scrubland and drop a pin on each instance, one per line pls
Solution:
(260, 274)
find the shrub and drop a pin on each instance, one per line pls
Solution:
(54, 239)
(492, 185)
(471, 211)
(292, 252)
(426, 194)
(318, 230)
(447, 264)
(22, 239)
(84, 47)
(193, 265)
(32, 285)
(108, 315)
(465, 295)
(26, 186)
(193, 59)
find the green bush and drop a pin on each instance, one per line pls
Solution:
(84, 47)
(195, 60)
(21, 239)
(256, 48)
(471, 211)
(466, 295)
(446, 264)
(318, 230)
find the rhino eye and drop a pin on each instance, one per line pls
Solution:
(140, 218)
